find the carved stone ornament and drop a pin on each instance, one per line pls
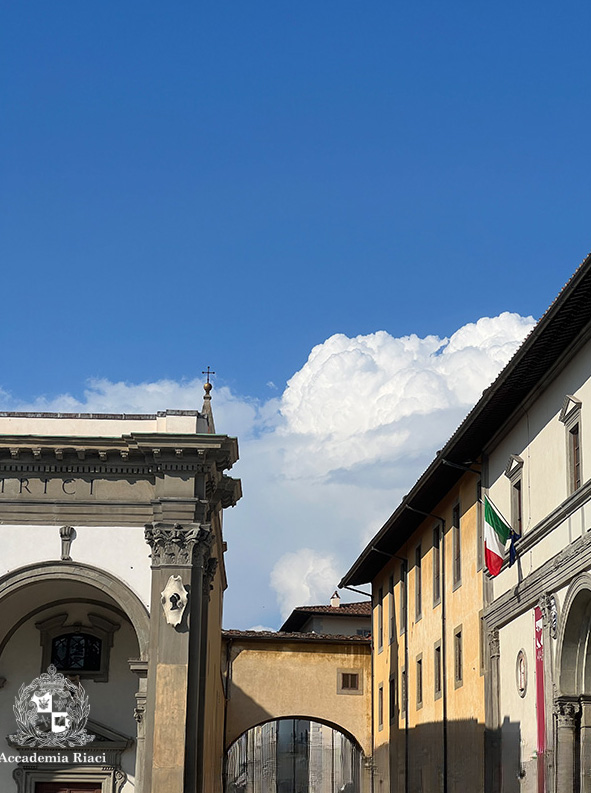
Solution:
(67, 534)
(208, 576)
(174, 598)
(550, 613)
(567, 712)
(494, 644)
(173, 545)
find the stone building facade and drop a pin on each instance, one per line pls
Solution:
(112, 570)
(485, 682)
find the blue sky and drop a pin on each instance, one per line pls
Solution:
(231, 184)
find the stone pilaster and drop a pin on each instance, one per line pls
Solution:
(567, 712)
(178, 551)
(585, 743)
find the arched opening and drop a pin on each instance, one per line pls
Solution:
(575, 657)
(294, 755)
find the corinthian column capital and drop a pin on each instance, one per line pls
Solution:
(174, 545)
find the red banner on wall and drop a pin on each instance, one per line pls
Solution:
(540, 709)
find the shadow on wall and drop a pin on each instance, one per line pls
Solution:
(467, 741)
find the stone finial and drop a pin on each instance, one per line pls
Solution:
(335, 600)
(206, 409)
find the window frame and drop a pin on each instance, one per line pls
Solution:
(418, 583)
(437, 670)
(456, 520)
(436, 565)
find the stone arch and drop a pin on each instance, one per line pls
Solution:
(290, 753)
(44, 572)
(574, 640)
(333, 725)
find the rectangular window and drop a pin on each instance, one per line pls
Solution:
(516, 507)
(403, 597)
(381, 706)
(419, 682)
(437, 670)
(457, 546)
(349, 681)
(391, 607)
(380, 608)
(436, 565)
(458, 658)
(575, 458)
(418, 584)
(392, 697)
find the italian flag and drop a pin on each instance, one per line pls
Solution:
(496, 533)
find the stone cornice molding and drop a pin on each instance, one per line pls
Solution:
(174, 545)
(550, 577)
(555, 518)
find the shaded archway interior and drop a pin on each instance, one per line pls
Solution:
(293, 755)
(575, 661)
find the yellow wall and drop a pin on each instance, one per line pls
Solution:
(465, 703)
(270, 679)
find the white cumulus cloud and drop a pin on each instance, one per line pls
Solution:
(326, 462)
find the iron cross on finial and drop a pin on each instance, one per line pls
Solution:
(207, 387)
(208, 373)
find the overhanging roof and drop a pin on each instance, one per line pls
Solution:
(557, 330)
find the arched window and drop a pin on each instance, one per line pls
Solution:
(76, 652)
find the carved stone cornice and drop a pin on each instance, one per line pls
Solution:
(174, 545)
(567, 712)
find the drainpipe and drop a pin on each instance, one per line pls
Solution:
(404, 565)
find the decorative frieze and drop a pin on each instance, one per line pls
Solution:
(175, 545)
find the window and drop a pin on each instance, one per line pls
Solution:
(570, 415)
(349, 681)
(391, 607)
(457, 546)
(403, 599)
(76, 652)
(392, 697)
(458, 657)
(437, 669)
(418, 584)
(574, 458)
(381, 706)
(365, 632)
(380, 605)
(75, 648)
(436, 565)
(419, 681)
(516, 507)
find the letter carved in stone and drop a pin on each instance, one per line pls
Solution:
(174, 599)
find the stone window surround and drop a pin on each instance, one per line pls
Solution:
(100, 627)
(350, 671)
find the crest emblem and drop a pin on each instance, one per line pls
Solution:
(51, 712)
